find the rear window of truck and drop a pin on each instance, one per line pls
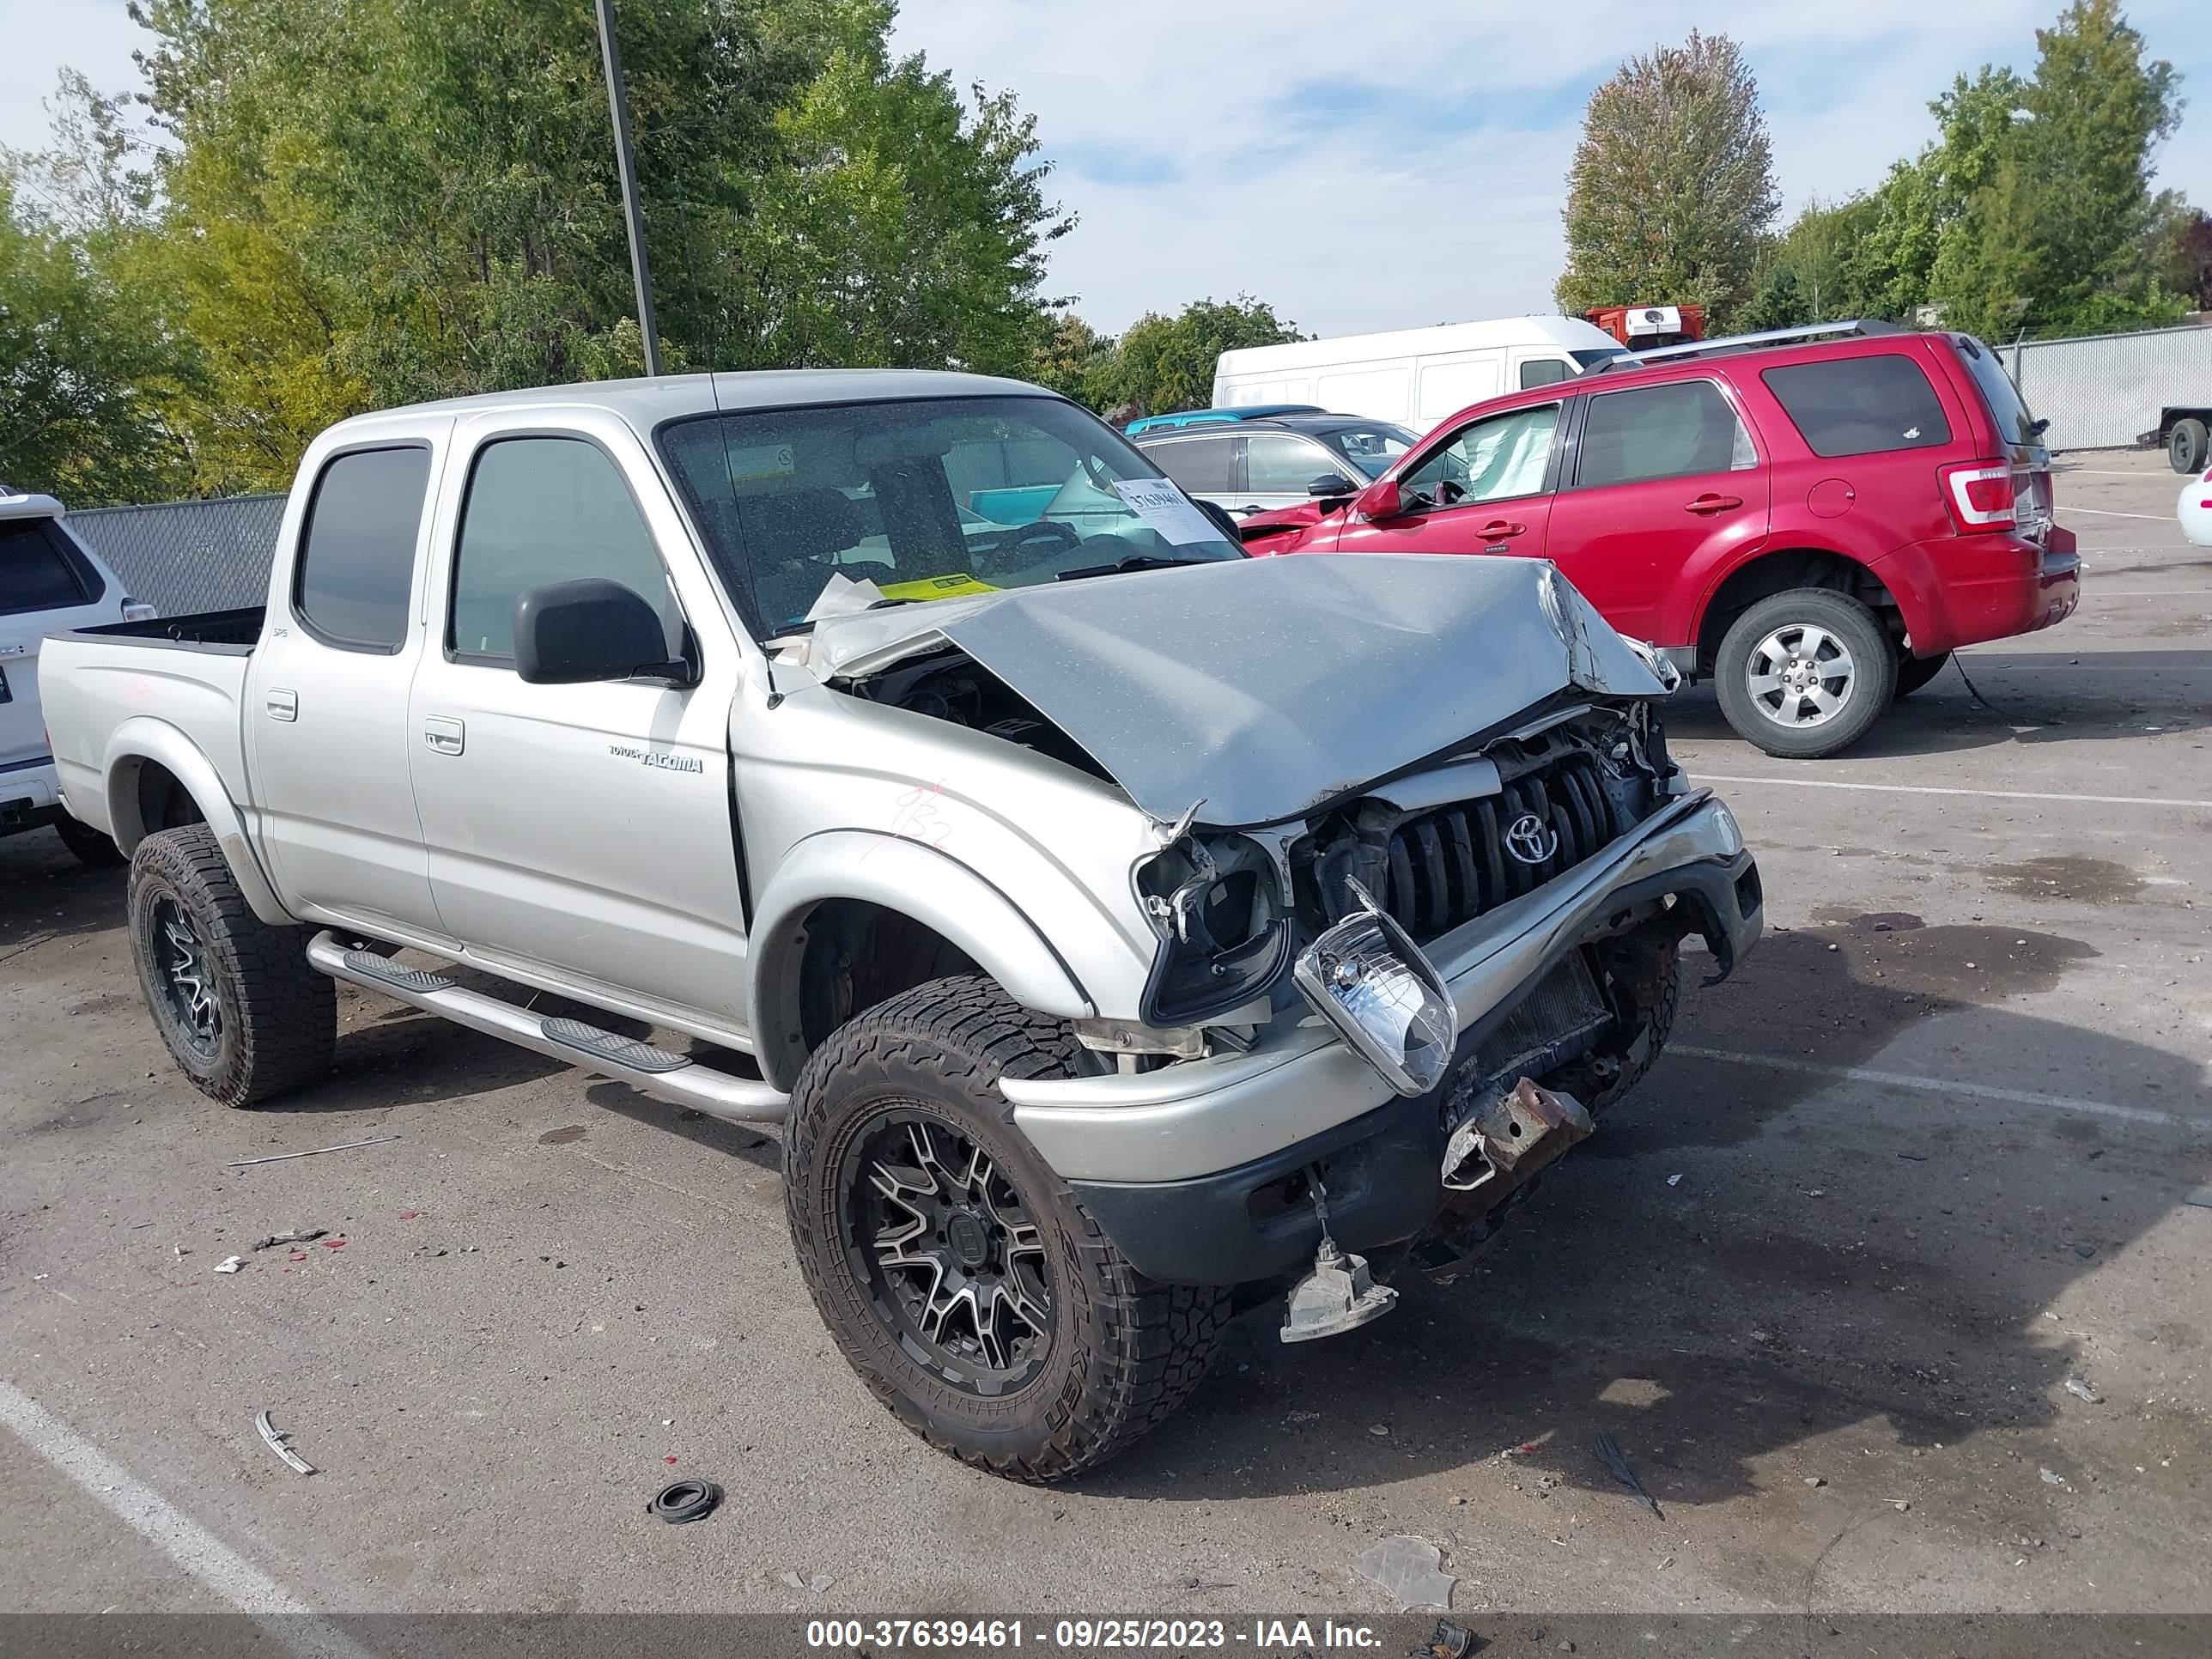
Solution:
(357, 564)
(36, 571)
(1861, 405)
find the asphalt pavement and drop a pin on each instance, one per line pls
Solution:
(1886, 1281)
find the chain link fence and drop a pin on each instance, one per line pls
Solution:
(2101, 392)
(183, 557)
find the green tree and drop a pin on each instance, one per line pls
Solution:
(1065, 356)
(1816, 270)
(2031, 212)
(373, 201)
(1672, 186)
(906, 227)
(2073, 202)
(87, 363)
(1161, 364)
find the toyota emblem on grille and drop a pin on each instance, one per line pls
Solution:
(1530, 840)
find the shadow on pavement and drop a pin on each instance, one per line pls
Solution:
(44, 893)
(2024, 697)
(1878, 1269)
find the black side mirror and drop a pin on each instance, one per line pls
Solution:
(570, 633)
(1334, 484)
(1222, 519)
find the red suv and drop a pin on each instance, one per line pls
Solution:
(1814, 525)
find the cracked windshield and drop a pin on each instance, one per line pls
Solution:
(926, 500)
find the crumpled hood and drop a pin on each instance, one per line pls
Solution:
(1268, 685)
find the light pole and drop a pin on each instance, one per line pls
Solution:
(626, 163)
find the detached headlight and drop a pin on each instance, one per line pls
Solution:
(1216, 904)
(1367, 978)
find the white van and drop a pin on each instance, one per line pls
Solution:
(1414, 376)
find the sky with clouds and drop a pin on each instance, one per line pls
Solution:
(1360, 170)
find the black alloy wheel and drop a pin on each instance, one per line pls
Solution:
(953, 1259)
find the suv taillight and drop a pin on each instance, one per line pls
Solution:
(1981, 497)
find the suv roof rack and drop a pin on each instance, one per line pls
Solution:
(1863, 325)
(1211, 416)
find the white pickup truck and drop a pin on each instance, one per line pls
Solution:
(1114, 923)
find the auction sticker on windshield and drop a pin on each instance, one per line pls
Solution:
(935, 587)
(1165, 509)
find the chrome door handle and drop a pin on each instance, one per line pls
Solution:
(444, 734)
(282, 705)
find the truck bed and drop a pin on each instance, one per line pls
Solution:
(233, 633)
(177, 681)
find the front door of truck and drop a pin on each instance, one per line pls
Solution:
(326, 695)
(583, 828)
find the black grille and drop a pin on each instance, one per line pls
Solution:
(1450, 865)
(1443, 866)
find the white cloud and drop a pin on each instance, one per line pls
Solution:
(1403, 164)
(1360, 168)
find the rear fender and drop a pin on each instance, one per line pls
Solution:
(143, 738)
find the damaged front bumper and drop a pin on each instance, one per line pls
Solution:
(1175, 1164)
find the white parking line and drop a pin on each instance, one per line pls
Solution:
(2108, 513)
(1977, 794)
(1944, 1086)
(217, 1567)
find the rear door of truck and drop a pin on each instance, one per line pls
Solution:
(585, 829)
(328, 742)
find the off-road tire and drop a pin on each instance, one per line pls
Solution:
(278, 1016)
(1913, 673)
(1124, 1351)
(2186, 443)
(92, 849)
(1873, 677)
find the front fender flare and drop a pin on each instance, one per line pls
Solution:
(911, 877)
(143, 738)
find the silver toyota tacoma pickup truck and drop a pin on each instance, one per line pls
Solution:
(1121, 928)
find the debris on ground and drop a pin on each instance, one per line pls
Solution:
(1673, 1181)
(1449, 1641)
(2201, 1198)
(1815, 1480)
(1382, 1430)
(685, 1500)
(2052, 1479)
(293, 1461)
(1616, 1464)
(813, 1582)
(297, 1236)
(230, 1264)
(312, 1152)
(1410, 1570)
(2081, 1390)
